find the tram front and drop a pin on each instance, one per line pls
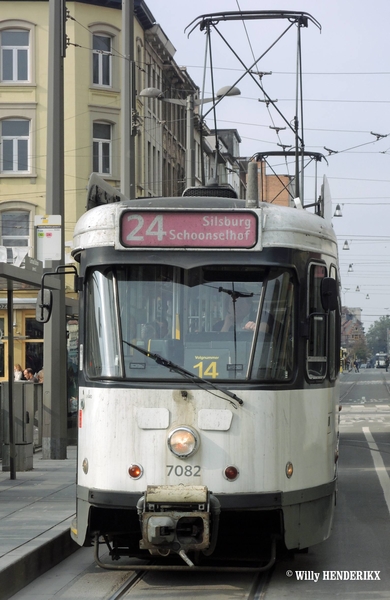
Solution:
(193, 400)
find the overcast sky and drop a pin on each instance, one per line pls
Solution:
(346, 94)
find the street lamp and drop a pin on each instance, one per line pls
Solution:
(190, 102)
(337, 212)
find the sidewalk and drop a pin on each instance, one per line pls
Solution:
(36, 510)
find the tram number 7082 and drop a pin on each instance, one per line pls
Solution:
(183, 471)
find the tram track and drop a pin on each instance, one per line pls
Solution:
(347, 392)
(215, 579)
(127, 585)
(214, 586)
(386, 384)
(382, 380)
(139, 581)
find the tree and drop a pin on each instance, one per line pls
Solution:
(377, 335)
(359, 349)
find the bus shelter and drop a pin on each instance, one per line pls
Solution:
(18, 279)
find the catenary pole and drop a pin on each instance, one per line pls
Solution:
(54, 428)
(128, 129)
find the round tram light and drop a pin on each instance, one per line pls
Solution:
(231, 473)
(289, 470)
(183, 441)
(85, 465)
(135, 471)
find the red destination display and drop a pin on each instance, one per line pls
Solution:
(163, 229)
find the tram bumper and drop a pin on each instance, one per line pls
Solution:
(177, 519)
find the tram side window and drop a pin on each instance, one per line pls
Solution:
(317, 342)
(274, 358)
(102, 347)
(334, 337)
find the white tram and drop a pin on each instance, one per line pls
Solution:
(208, 382)
(380, 360)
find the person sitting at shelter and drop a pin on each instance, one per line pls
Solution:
(29, 375)
(18, 372)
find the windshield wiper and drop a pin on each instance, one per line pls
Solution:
(234, 296)
(160, 360)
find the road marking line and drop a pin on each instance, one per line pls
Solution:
(380, 468)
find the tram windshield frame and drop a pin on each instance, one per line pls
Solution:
(220, 323)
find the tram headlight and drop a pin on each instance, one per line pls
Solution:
(289, 470)
(183, 441)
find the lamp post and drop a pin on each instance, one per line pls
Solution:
(337, 212)
(190, 103)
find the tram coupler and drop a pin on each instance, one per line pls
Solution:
(176, 519)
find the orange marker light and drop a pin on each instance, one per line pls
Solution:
(135, 471)
(289, 470)
(231, 473)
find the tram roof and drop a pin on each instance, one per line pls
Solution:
(280, 226)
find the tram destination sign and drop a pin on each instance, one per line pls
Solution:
(188, 229)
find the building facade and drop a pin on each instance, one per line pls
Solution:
(353, 338)
(93, 69)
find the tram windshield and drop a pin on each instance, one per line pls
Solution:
(217, 322)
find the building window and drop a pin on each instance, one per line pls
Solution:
(2, 353)
(15, 55)
(140, 71)
(33, 348)
(15, 230)
(102, 57)
(14, 145)
(102, 148)
(34, 330)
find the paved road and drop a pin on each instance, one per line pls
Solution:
(369, 385)
(358, 547)
(361, 531)
(365, 396)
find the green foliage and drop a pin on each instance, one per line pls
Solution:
(376, 336)
(360, 350)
